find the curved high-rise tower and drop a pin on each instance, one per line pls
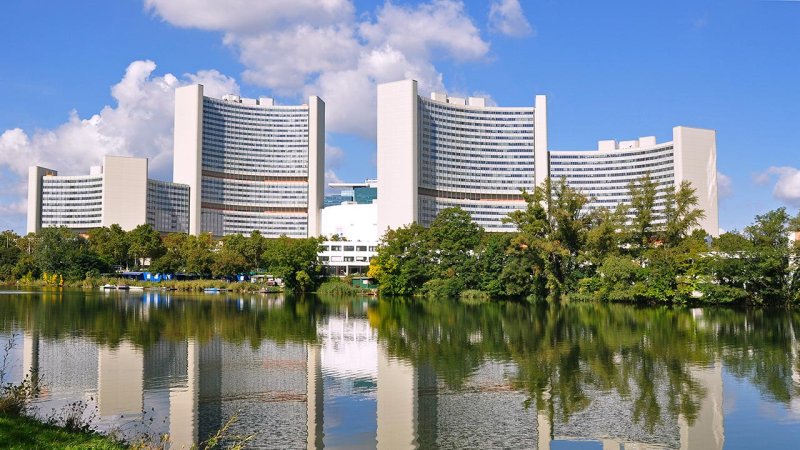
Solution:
(438, 152)
(250, 164)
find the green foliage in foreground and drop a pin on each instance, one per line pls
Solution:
(637, 252)
(25, 433)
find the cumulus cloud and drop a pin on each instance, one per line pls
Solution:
(506, 17)
(139, 124)
(724, 185)
(787, 186)
(302, 48)
(334, 156)
(330, 177)
(248, 15)
(16, 208)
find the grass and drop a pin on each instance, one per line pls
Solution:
(338, 288)
(183, 285)
(25, 433)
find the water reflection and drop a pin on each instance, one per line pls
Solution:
(393, 374)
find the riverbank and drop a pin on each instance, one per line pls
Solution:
(18, 432)
(172, 285)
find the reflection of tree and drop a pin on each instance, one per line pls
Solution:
(104, 320)
(564, 353)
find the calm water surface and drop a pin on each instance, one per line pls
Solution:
(361, 373)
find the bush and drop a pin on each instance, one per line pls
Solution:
(15, 398)
(447, 288)
(336, 288)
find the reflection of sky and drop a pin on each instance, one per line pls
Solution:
(749, 414)
(349, 358)
(349, 348)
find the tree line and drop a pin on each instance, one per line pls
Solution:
(71, 256)
(648, 250)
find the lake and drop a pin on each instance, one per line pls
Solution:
(362, 373)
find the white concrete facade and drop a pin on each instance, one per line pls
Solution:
(35, 175)
(250, 164)
(124, 191)
(398, 154)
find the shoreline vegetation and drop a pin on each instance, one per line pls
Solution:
(650, 251)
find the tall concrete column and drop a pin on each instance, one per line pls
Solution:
(397, 402)
(544, 425)
(30, 353)
(708, 429)
(183, 403)
(120, 380)
(314, 398)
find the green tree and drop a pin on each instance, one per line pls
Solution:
(197, 255)
(111, 244)
(295, 261)
(61, 251)
(173, 260)
(145, 243)
(401, 265)
(254, 249)
(452, 240)
(680, 214)
(642, 223)
(552, 232)
(9, 253)
(231, 258)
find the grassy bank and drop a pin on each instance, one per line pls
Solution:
(339, 288)
(185, 285)
(19, 432)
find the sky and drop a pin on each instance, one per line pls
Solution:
(79, 80)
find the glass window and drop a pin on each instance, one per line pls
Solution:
(349, 248)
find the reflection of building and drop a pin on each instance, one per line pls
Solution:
(443, 151)
(346, 389)
(250, 164)
(118, 192)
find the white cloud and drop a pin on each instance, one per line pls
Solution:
(787, 186)
(330, 177)
(334, 156)
(19, 207)
(248, 15)
(139, 124)
(301, 48)
(724, 186)
(506, 17)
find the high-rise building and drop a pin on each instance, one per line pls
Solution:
(250, 164)
(443, 151)
(605, 174)
(439, 152)
(118, 192)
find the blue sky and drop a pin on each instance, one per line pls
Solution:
(611, 70)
